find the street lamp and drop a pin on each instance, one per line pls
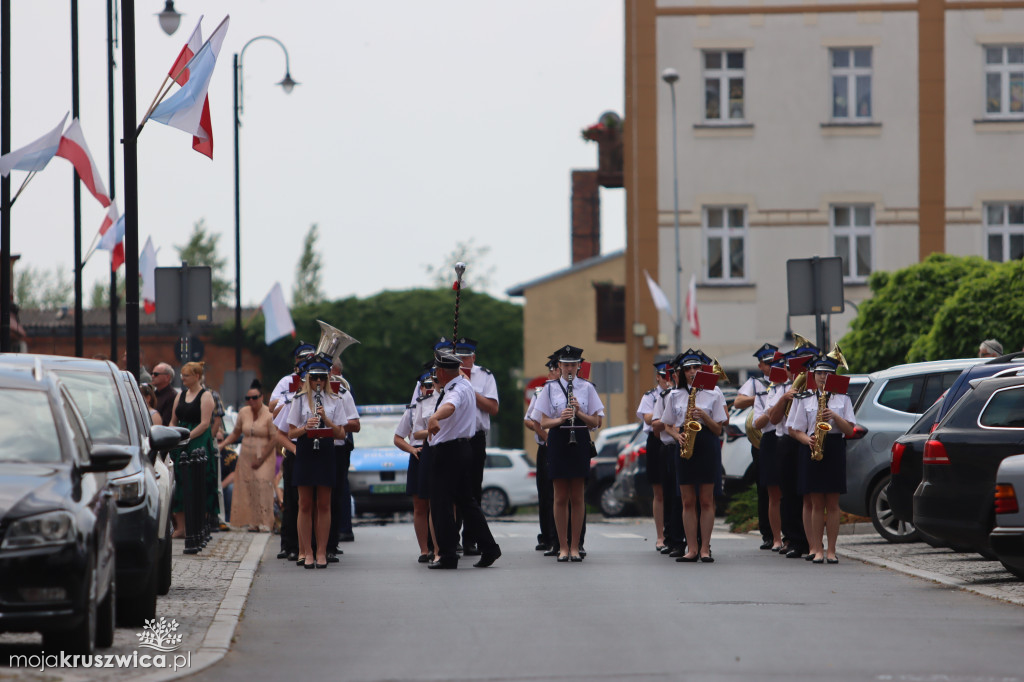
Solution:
(287, 84)
(670, 76)
(170, 18)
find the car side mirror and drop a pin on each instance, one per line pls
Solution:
(165, 438)
(107, 458)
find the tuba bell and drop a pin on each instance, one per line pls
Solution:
(332, 341)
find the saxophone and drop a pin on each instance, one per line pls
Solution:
(821, 429)
(692, 427)
(318, 402)
(568, 398)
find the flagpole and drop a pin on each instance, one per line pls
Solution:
(5, 181)
(131, 187)
(20, 189)
(113, 181)
(77, 206)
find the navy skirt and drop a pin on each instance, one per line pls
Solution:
(828, 475)
(769, 466)
(706, 464)
(412, 476)
(426, 464)
(655, 459)
(567, 460)
(315, 467)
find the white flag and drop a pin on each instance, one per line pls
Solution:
(278, 318)
(691, 307)
(35, 155)
(147, 271)
(660, 300)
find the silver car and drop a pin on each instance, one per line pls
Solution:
(891, 403)
(1007, 537)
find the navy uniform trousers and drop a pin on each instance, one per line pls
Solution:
(452, 482)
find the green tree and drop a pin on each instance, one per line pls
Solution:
(397, 331)
(986, 305)
(202, 250)
(307, 289)
(35, 288)
(903, 307)
(100, 295)
(477, 277)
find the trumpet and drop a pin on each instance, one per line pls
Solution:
(693, 427)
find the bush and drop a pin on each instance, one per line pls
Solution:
(741, 514)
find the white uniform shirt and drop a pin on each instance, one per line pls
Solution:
(647, 406)
(484, 384)
(285, 398)
(532, 415)
(658, 414)
(462, 424)
(415, 419)
(712, 402)
(802, 415)
(775, 394)
(300, 410)
(751, 386)
(283, 388)
(348, 411)
(761, 395)
(552, 398)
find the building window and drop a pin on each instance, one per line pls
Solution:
(1004, 227)
(851, 84)
(725, 235)
(723, 86)
(1004, 81)
(853, 227)
(611, 312)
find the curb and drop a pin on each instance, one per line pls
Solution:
(217, 641)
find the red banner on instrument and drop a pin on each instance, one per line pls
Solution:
(704, 380)
(584, 372)
(320, 433)
(837, 383)
(796, 365)
(778, 375)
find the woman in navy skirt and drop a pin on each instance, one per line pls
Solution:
(769, 466)
(410, 436)
(568, 423)
(696, 476)
(822, 482)
(315, 468)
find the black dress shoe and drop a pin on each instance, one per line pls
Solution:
(323, 565)
(820, 560)
(809, 557)
(688, 560)
(424, 559)
(541, 547)
(292, 556)
(488, 558)
(794, 554)
(563, 559)
(767, 544)
(441, 563)
(583, 553)
(832, 561)
(346, 537)
(576, 559)
(665, 550)
(309, 565)
(282, 555)
(471, 550)
(332, 558)
(677, 552)
(707, 559)
(551, 552)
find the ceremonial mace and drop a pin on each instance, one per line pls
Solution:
(460, 270)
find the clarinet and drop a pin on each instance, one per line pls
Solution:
(318, 402)
(572, 422)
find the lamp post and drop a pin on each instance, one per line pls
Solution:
(287, 84)
(670, 76)
(170, 18)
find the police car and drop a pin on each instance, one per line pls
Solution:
(377, 470)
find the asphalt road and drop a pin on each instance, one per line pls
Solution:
(626, 613)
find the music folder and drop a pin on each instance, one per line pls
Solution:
(704, 380)
(837, 383)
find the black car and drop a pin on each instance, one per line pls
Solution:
(57, 516)
(954, 501)
(110, 414)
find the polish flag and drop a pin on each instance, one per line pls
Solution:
(35, 155)
(277, 316)
(180, 73)
(147, 271)
(112, 237)
(691, 307)
(74, 149)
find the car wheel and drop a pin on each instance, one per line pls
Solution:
(1016, 569)
(136, 609)
(611, 506)
(82, 638)
(494, 501)
(164, 582)
(106, 616)
(883, 519)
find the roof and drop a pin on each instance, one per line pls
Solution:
(520, 289)
(42, 322)
(913, 368)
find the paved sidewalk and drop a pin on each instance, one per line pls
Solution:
(206, 599)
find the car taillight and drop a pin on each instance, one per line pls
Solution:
(1006, 499)
(858, 433)
(531, 474)
(897, 457)
(934, 453)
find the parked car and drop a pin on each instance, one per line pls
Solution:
(510, 481)
(954, 500)
(1007, 538)
(891, 402)
(112, 419)
(377, 469)
(57, 516)
(631, 492)
(603, 467)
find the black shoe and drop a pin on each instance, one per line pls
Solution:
(323, 565)
(471, 550)
(282, 554)
(442, 563)
(541, 547)
(563, 559)
(767, 544)
(677, 552)
(794, 554)
(488, 558)
(292, 556)
(551, 552)
(818, 561)
(576, 559)
(309, 565)
(809, 557)
(832, 561)
(332, 558)
(707, 559)
(688, 560)
(665, 550)
(583, 553)
(424, 558)
(346, 537)
(300, 562)
(458, 549)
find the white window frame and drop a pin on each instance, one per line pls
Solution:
(850, 72)
(723, 75)
(725, 233)
(1004, 229)
(1004, 69)
(852, 232)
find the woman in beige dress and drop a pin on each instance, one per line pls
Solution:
(252, 502)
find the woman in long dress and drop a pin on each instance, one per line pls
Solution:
(252, 503)
(193, 409)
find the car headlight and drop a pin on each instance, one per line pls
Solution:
(40, 530)
(129, 490)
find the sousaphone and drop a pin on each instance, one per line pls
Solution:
(332, 341)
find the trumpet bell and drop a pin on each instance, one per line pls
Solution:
(332, 341)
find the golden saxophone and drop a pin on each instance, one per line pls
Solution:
(692, 427)
(821, 428)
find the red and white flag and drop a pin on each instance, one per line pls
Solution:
(691, 307)
(112, 236)
(147, 272)
(35, 155)
(74, 149)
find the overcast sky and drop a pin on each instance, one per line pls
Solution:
(416, 125)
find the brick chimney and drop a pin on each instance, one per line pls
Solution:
(586, 215)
